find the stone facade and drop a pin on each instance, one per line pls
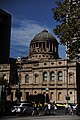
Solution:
(43, 69)
(43, 72)
(51, 74)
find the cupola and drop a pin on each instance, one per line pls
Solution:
(43, 46)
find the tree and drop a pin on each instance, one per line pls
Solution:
(67, 14)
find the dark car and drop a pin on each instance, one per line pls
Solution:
(22, 109)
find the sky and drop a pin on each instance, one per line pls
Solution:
(28, 18)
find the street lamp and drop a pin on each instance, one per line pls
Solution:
(19, 60)
(18, 92)
(46, 91)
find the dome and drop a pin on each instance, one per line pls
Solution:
(44, 35)
(43, 46)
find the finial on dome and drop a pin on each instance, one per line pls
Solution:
(45, 23)
(45, 30)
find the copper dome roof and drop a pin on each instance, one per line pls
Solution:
(44, 35)
(43, 46)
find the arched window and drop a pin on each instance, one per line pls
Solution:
(60, 75)
(36, 77)
(71, 77)
(45, 76)
(27, 79)
(59, 96)
(52, 76)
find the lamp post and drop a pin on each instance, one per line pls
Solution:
(46, 91)
(18, 92)
(19, 60)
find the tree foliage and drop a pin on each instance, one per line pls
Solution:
(67, 14)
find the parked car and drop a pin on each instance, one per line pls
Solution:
(60, 105)
(22, 108)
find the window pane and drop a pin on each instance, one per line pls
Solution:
(52, 76)
(27, 79)
(60, 75)
(45, 76)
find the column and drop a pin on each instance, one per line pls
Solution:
(48, 80)
(42, 46)
(46, 46)
(56, 78)
(49, 46)
(40, 77)
(63, 77)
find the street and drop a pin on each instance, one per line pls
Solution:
(51, 117)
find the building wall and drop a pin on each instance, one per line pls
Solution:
(57, 89)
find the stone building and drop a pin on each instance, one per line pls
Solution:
(43, 72)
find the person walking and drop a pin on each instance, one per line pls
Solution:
(67, 109)
(35, 109)
(55, 108)
(49, 108)
(70, 110)
(40, 108)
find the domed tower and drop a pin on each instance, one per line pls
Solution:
(43, 46)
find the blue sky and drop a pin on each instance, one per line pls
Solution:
(28, 19)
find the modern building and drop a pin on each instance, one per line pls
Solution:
(5, 29)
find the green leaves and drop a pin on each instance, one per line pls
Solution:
(67, 15)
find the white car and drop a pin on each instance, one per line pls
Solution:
(22, 108)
